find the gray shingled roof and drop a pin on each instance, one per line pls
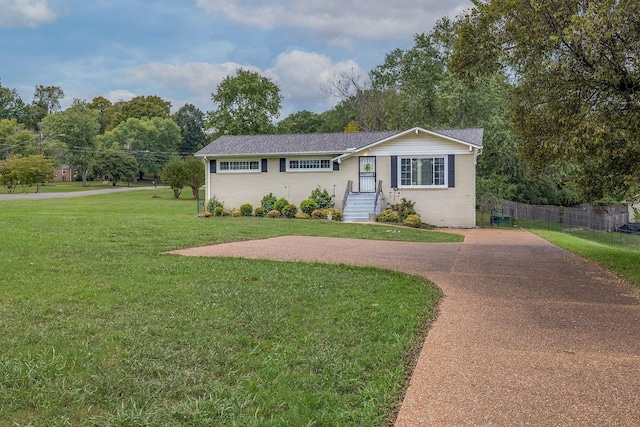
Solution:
(315, 143)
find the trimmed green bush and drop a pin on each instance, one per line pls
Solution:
(273, 213)
(308, 206)
(413, 220)
(290, 210)
(213, 203)
(259, 211)
(336, 214)
(322, 198)
(318, 214)
(268, 201)
(246, 209)
(217, 211)
(280, 204)
(389, 215)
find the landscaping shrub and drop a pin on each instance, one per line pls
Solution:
(236, 213)
(213, 203)
(218, 210)
(308, 206)
(268, 202)
(318, 214)
(302, 215)
(290, 210)
(207, 214)
(389, 215)
(273, 213)
(280, 204)
(336, 214)
(259, 211)
(404, 208)
(413, 220)
(246, 209)
(322, 198)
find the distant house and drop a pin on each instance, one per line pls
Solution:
(364, 171)
(64, 173)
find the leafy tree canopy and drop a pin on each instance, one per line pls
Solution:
(12, 106)
(79, 126)
(115, 166)
(301, 122)
(191, 121)
(246, 104)
(140, 107)
(574, 65)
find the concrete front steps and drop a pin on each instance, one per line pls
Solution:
(359, 206)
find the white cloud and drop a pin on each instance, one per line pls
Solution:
(120, 95)
(340, 21)
(300, 76)
(25, 13)
(199, 78)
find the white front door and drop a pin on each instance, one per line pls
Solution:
(367, 174)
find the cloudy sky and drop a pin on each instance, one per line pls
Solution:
(181, 49)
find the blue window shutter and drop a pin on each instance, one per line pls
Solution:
(336, 166)
(212, 166)
(394, 171)
(283, 164)
(264, 165)
(452, 170)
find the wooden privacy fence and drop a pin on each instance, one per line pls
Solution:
(601, 218)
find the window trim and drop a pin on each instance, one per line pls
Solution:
(327, 161)
(249, 161)
(445, 172)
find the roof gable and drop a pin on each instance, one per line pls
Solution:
(321, 143)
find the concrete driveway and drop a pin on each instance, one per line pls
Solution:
(528, 334)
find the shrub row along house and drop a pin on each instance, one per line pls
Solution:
(364, 171)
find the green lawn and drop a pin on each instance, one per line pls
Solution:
(65, 187)
(97, 328)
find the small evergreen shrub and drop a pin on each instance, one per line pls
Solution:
(308, 206)
(336, 214)
(280, 204)
(259, 211)
(273, 213)
(413, 220)
(268, 202)
(322, 198)
(290, 210)
(302, 215)
(213, 203)
(217, 211)
(246, 209)
(389, 215)
(318, 214)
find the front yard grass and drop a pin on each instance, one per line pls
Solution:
(98, 328)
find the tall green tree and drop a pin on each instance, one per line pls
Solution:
(246, 104)
(105, 110)
(301, 122)
(80, 125)
(191, 121)
(195, 174)
(140, 107)
(152, 142)
(575, 100)
(12, 106)
(173, 174)
(115, 166)
(46, 100)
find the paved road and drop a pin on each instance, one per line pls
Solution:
(39, 196)
(527, 334)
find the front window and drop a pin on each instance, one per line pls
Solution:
(310, 164)
(423, 171)
(239, 166)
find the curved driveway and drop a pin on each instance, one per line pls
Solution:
(528, 334)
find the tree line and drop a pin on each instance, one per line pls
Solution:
(554, 84)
